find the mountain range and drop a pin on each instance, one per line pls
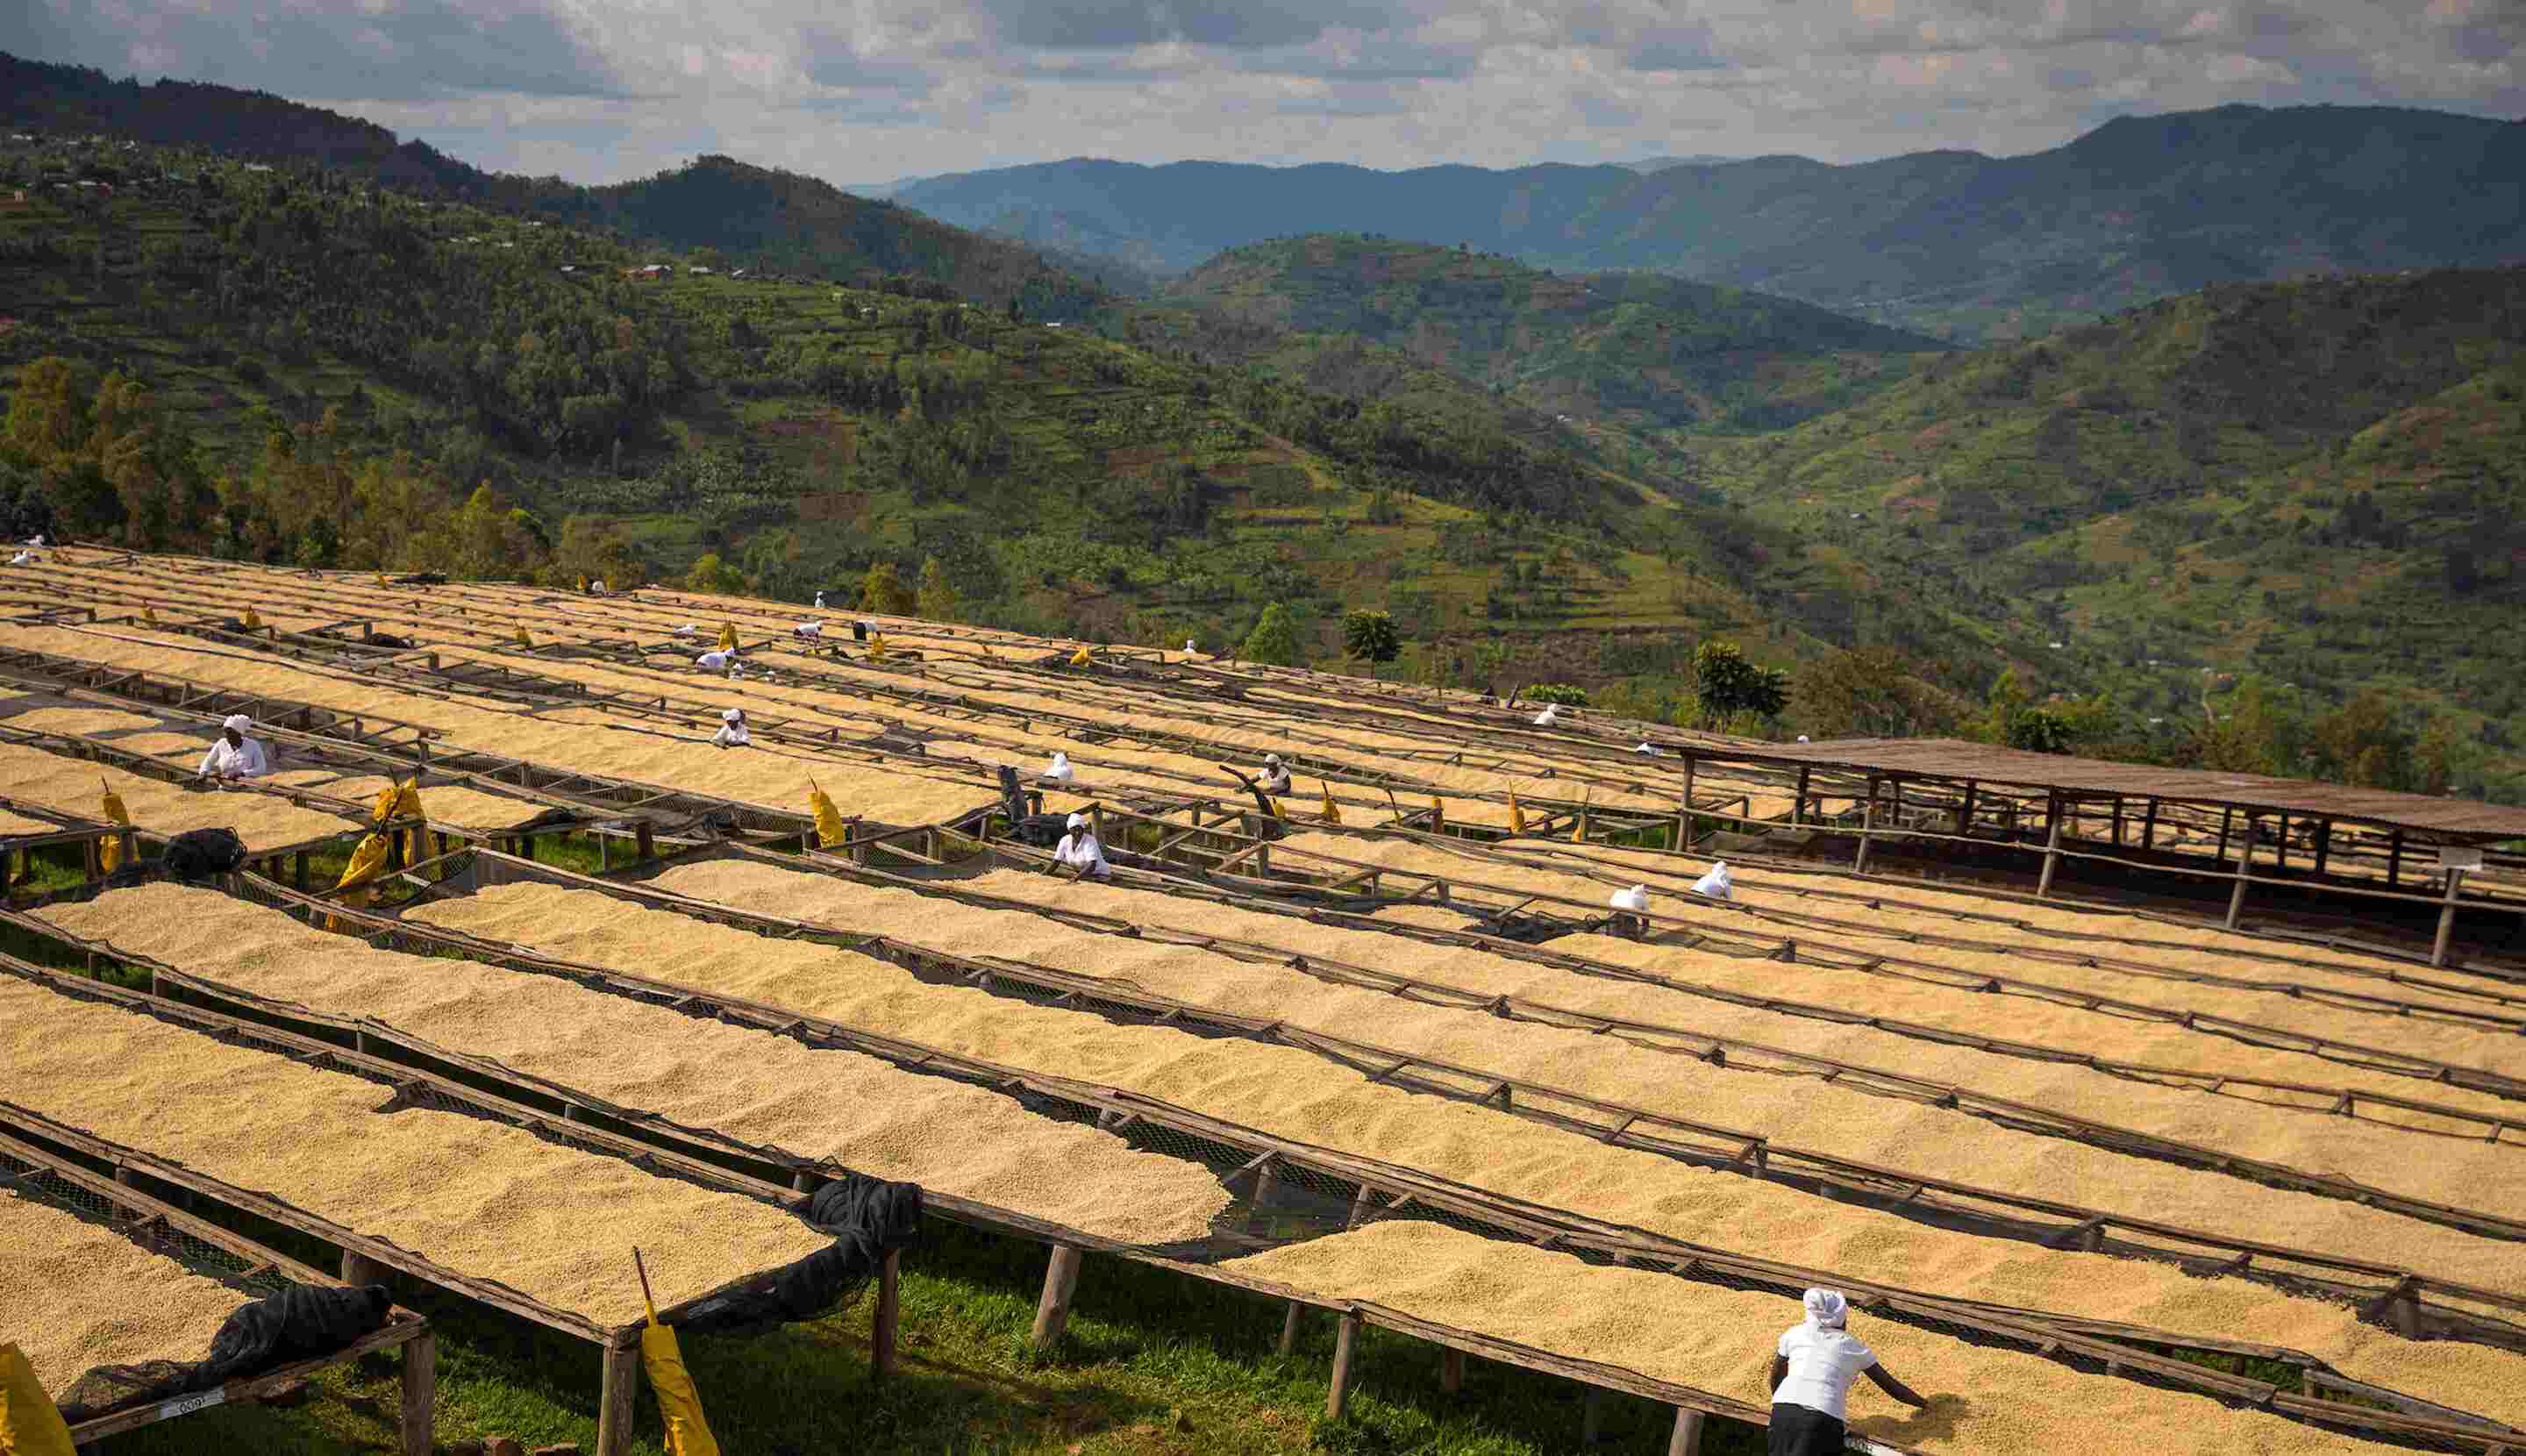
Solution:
(1955, 243)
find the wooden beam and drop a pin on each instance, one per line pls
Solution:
(2052, 845)
(2447, 919)
(1798, 805)
(419, 1416)
(1686, 1440)
(618, 1399)
(1060, 1282)
(2245, 863)
(889, 1310)
(2323, 843)
(1289, 1329)
(360, 1271)
(1345, 1349)
(2393, 857)
(2149, 825)
(1867, 822)
(1451, 1370)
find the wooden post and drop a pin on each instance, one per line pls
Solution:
(1689, 762)
(2118, 821)
(298, 871)
(1686, 1439)
(617, 1400)
(1060, 1282)
(2393, 857)
(889, 1313)
(2245, 866)
(2279, 846)
(1867, 821)
(2149, 825)
(2447, 919)
(2219, 856)
(1346, 1345)
(1289, 1331)
(2323, 843)
(604, 853)
(1798, 805)
(419, 1394)
(2052, 845)
(1592, 1417)
(644, 837)
(1451, 1370)
(1965, 812)
(360, 1271)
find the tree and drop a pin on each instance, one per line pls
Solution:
(1566, 694)
(1868, 692)
(1726, 685)
(709, 574)
(882, 590)
(1274, 639)
(1369, 638)
(938, 597)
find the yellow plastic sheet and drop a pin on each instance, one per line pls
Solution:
(109, 851)
(30, 1425)
(367, 862)
(831, 832)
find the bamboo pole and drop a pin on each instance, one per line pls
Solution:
(2052, 846)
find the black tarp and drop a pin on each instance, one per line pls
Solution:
(303, 1321)
(869, 1217)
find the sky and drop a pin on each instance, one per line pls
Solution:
(860, 92)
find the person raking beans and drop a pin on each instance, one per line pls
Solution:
(1812, 1367)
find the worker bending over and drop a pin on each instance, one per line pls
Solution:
(1080, 853)
(1276, 776)
(1812, 1367)
(236, 756)
(717, 660)
(732, 731)
(1716, 884)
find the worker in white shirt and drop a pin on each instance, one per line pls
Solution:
(717, 660)
(1550, 715)
(1716, 884)
(732, 731)
(1080, 853)
(1813, 1365)
(1059, 771)
(236, 756)
(1631, 911)
(1276, 776)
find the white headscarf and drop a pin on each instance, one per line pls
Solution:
(1826, 1308)
(1715, 884)
(1636, 899)
(1060, 772)
(732, 715)
(237, 721)
(1076, 822)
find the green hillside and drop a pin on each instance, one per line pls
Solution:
(1642, 351)
(2321, 483)
(287, 365)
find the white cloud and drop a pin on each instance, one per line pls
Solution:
(859, 91)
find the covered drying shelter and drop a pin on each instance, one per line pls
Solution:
(2324, 850)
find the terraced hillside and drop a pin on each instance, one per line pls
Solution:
(1371, 1044)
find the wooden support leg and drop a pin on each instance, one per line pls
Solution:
(2051, 850)
(888, 1313)
(2446, 920)
(1289, 1329)
(1451, 1370)
(617, 1400)
(419, 1394)
(645, 839)
(1591, 1421)
(1867, 823)
(359, 1270)
(1060, 1282)
(1345, 1346)
(2244, 865)
(298, 870)
(1686, 1439)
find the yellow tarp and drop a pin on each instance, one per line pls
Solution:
(402, 801)
(367, 863)
(831, 832)
(30, 1425)
(110, 852)
(680, 1405)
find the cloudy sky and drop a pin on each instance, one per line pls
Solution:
(855, 91)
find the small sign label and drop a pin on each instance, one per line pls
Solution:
(2452, 858)
(191, 1403)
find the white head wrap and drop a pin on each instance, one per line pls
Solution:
(1715, 884)
(1826, 1308)
(1636, 899)
(1076, 822)
(1272, 760)
(237, 721)
(732, 715)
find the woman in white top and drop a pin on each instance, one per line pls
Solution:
(1080, 853)
(716, 660)
(1812, 1367)
(234, 755)
(732, 731)
(1276, 775)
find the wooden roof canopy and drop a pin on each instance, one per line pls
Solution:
(2446, 820)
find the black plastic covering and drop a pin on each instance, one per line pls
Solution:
(869, 1219)
(199, 854)
(304, 1322)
